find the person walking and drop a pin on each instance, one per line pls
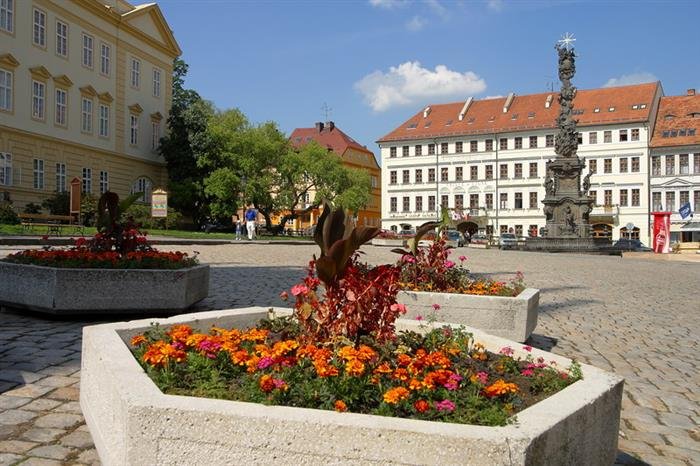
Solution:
(250, 216)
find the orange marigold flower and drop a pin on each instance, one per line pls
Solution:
(383, 368)
(306, 351)
(340, 406)
(347, 353)
(252, 364)
(323, 369)
(394, 395)
(255, 334)
(437, 377)
(421, 406)
(400, 374)
(138, 340)
(266, 383)
(355, 368)
(281, 348)
(240, 357)
(179, 333)
(365, 353)
(403, 360)
(500, 388)
(194, 340)
(161, 353)
(439, 359)
(415, 384)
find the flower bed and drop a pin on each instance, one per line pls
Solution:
(133, 422)
(114, 271)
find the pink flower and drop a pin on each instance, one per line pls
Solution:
(284, 296)
(408, 258)
(482, 377)
(436, 307)
(445, 405)
(299, 289)
(527, 348)
(419, 317)
(453, 383)
(400, 308)
(449, 264)
(506, 351)
(279, 383)
(462, 258)
(527, 372)
(265, 362)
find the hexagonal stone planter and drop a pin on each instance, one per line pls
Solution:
(133, 422)
(512, 318)
(81, 291)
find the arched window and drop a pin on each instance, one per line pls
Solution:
(602, 230)
(625, 234)
(145, 186)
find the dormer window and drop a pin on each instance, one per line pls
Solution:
(514, 116)
(635, 107)
(413, 126)
(611, 109)
(427, 124)
(531, 115)
(449, 123)
(694, 114)
(643, 106)
(596, 110)
(669, 117)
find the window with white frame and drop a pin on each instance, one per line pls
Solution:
(134, 133)
(156, 83)
(105, 56)
(88, 42)
(61, 107)
(86, 116)
(39, 29)
(87, 180)
(104, 181)
(7, 15)
(143, 185)
(155, 135)
(5, 169)
(135, 72)
(61, 177)
(61, 38)
(38, 99)
(104, 120)
(5, 90)
(38, 174)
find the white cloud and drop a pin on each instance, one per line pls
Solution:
(437, 8)
(411, 84)
(633, 78)
(495, 5)
(387, 4)
(416, 24)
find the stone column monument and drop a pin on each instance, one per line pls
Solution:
(566, 202)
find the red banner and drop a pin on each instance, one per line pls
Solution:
(662, 232)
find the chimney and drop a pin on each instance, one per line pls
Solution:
(426, 112)
(330, 125)
(548, 102)
(691, 91)
(465, 108)
(319, 126)
(509, 102)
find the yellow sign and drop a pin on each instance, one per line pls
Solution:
(159, 203)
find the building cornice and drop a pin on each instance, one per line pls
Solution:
(40, 72)
(7, 60)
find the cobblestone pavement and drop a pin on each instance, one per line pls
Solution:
(637, 318)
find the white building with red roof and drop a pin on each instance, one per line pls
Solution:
(486, 159)
(675, 164)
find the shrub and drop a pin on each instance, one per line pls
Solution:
(7, 213)
(88, 209)
(141, 215)
(58, 204)
(32, 208)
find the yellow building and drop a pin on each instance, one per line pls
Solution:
(85, 91)
(353, 155)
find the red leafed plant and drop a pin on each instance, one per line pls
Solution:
(357, 299)
(113, 233)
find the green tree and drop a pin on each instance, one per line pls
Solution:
(187, 123)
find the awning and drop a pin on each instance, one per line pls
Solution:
(691, 226)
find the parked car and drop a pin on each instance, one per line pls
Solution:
(427, 239)
(407, 232)
(508, 241)
(479, 239)
(625, 244)
(214, 225)
(454, 239)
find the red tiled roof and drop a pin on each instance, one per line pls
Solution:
(330, 136)
(677, 115)
(528, 112)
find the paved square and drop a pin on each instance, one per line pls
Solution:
(638, 318)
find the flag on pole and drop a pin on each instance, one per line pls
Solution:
(685, 210)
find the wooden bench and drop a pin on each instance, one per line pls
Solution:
(53, 223)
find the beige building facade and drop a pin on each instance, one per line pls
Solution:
(85, 91)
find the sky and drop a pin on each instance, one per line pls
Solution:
(375, 63)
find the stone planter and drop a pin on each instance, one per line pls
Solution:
(133, 422)
(86, 291)
(389, 242)
(512, 318)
